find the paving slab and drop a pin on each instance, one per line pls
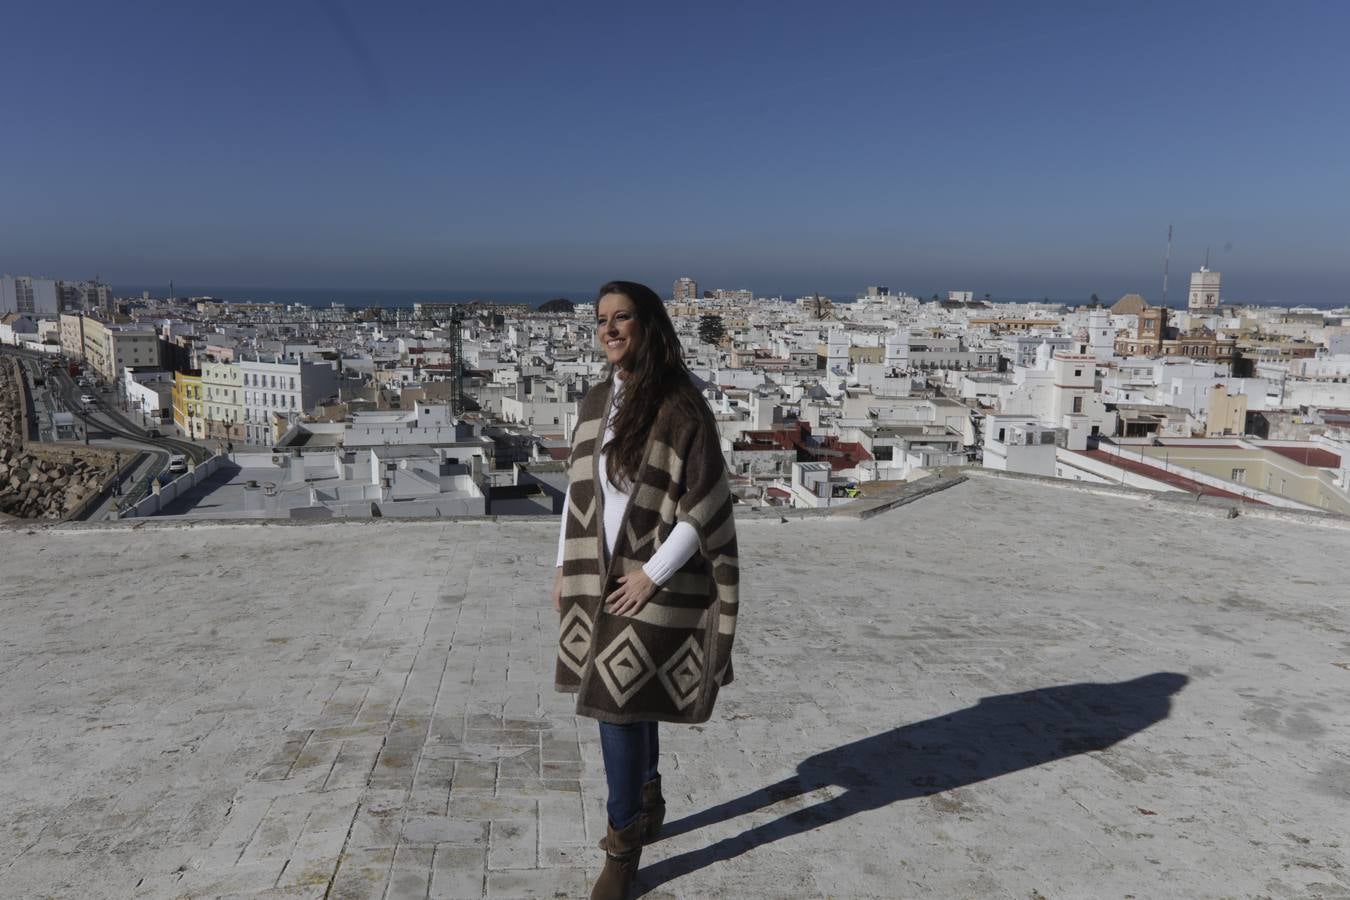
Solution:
(1004, 689)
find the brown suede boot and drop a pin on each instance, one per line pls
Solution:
(653, 810)
(653, 813)
(621, 863)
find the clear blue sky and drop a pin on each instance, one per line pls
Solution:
(1020, 149)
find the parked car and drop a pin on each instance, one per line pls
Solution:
(86, 399)
(177, 463)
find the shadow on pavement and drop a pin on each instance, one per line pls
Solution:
(192, 499)
(997, 736)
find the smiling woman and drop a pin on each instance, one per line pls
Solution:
(647, 578)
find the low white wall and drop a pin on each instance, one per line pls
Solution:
(154, 502)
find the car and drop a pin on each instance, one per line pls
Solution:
(177, 463)
(86, 399)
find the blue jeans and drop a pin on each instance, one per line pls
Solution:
(631, 753)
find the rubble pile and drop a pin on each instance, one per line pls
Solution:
(41, 482)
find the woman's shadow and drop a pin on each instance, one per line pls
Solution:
(998, 735)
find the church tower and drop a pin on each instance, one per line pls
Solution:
(1204, 296)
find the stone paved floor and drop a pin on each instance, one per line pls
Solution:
(1002, 690)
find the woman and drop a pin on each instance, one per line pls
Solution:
(647, 576)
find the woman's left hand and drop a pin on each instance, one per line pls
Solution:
(635, 589)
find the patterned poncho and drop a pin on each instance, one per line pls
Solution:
(667, 662)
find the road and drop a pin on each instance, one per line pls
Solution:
(60, 391)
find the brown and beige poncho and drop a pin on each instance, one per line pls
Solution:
(667, 662)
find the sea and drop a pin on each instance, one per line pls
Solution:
(401, 297)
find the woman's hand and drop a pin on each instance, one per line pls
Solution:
(557, 591)
(635, 589)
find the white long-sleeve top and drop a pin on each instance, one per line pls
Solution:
(670, 556)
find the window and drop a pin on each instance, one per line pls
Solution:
(1077, 404)
(1077, 373)
(1239, 475)
(1002, 434)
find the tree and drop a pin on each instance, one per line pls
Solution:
(935, 298)
(711, 329)
(1096, 301)
(557, 305)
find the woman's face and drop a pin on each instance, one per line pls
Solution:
(617, 330)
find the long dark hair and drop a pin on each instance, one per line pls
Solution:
(658, 373)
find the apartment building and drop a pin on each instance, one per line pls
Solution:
(108, 349)
(272, 385)
(189, 410)
(222, 383)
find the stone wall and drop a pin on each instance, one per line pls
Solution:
(42, 481)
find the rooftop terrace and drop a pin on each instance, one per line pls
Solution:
(1007, 688)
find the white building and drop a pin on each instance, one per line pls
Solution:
(287, 386)
(149, 393)
(546, 408)
(1204, 295)
(16, 328)
(222, 385)
(1058, 386)
(1101, 335)
(25, 294)
(813, 487)
(1021, 349)
(1019, 444)
(111, 348)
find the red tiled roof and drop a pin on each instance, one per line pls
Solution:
(558, 452)
(1310, 456)
(1166, 477)
(1190, 446)
(778, 492)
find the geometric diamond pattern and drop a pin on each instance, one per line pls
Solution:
(635, 544)
(574, 638)
(583, 517)
(682, 673)
(625, 666)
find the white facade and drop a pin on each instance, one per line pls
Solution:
(222, 386)
(811, 486)
(1056, 387)
(1021, 349)
(278, 385)
(25, 294)
(1019, 444)
(17, 330)
(1204, 294)
(1101, 335)
(111, 348)
(149, 393)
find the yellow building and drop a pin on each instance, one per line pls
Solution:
(1227, 413)
(189, 404)
(1303, 471)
